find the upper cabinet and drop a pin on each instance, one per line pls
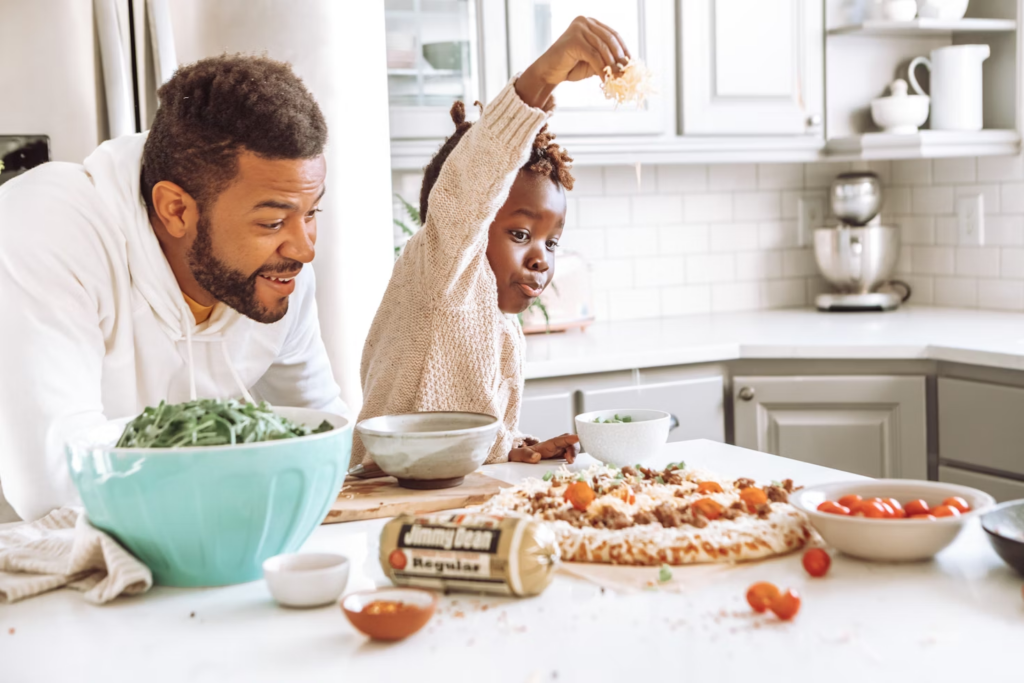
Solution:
(751, 67)
(645, 26)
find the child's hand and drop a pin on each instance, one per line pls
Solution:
(584, 50)
(564, 446)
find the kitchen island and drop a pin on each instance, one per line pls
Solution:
(959, 617)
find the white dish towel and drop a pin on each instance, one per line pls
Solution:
(64, 549)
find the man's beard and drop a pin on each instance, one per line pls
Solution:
(231, 286)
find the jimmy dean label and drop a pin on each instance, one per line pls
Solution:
(449, 538)
(448, 564)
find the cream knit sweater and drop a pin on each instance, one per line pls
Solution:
(439, 340)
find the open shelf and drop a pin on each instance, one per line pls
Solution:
(921, 27)
(924, 144)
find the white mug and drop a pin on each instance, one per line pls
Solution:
(955, 86)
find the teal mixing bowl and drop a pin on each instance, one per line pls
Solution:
(211, 516)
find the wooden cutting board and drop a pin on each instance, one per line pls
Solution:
(383, 497)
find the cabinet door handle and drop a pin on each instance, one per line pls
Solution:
(673, 422)
(814, 120)
(746, 394)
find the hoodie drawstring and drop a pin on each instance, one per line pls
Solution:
(191, 364)
(227, 359)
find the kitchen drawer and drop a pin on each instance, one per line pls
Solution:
(981, 424)
(998, 487)
(698, 404)
(547, 415)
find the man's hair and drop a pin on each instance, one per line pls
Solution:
(546, 157)
(217, 107)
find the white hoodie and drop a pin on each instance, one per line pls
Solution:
(93, 324)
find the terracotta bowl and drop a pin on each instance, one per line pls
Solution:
(417, 608)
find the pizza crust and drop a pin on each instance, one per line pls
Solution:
(778, 530)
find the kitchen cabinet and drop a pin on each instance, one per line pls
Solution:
(752, 67)
(999, 488)
(981, 425)
(547, 415)
(870, 425)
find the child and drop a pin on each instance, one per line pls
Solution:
(446, 335)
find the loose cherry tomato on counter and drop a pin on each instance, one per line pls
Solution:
(931, 517)
(786, 605)
(709, 487)
(580, 495)
(897, 509)
(817, 561)
(945, 511)
(761, 595)
(849, 500)
(958, 503)
(872, 509)
(917, 507)
(833, 508)
(711, 509)
(753, 497)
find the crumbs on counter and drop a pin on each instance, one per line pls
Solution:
(10, 631)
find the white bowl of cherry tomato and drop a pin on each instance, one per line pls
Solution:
(890, 520)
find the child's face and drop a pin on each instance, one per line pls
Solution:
(522, 240)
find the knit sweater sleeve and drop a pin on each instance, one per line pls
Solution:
(472, 185)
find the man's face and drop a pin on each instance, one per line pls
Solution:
(253, 239)
(522, 240)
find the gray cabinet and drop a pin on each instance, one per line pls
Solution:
(870, 425)
(697, 403)
(999, 488)
(981, 425)
(546, 415)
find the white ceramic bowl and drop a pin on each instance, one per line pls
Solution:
(625, 443)
(429, 450)
(306, 579)
(899, 10)
(942, 9)
(900, 115)
(889, 540)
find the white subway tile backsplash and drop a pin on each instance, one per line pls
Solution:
(881, 168)
(780, 176)
(912, 172)
(784, 293)
(660, 271)
(777, 234)
(1011, 198)
(682, 178)
(933, 260)
(736, 296)
(896, 200)
(1007, 295)
(933, 200)
(572, 213)
(734, 237)
(1004, 231)
(917, 230)
(708, 208)
(632, 241)
(922, 289)
(1000, 168)
(685, 300)
(608, 274)
(956, 292)
(664, 209)
(759, 265)
(977, 261)
(589, 181)
(954, 170)
(600, 212)
(1012, 263)
(683, 239)
(821, 174)
(619, 180)
(634, 304)
(757, 206)
(704, 268)
(903, 264)
(947, 231)
(798, 262)
(591, 244)
(732, 176)
(990, 192)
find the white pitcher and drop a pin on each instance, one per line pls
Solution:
(956, 85)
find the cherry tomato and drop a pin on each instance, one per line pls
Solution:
(849, 500)
(817, 561)
(711, 509)
(761, 595)
(872, 509)
(709, 487)
(580, 495)
(917, 507)
(958, 503)
(946, 511)
(753, 497)
(833, 508)
(896, 507)
(925, 516)
(786, 605)
(625, 493)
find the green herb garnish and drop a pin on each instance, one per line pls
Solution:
(548, 476)
(613, 420)
(210, 422)
(659, 480)
(664, 574)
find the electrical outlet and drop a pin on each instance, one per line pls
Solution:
(970, 220)
(810, 213)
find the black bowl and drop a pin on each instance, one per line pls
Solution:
(1005, 527)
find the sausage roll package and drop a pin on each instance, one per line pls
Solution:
(469, 552)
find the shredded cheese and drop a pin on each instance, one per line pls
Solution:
(634, 82)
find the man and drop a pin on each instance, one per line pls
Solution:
(166, 267)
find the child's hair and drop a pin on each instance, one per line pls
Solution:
(546, 157)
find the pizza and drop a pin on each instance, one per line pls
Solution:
(641, 516)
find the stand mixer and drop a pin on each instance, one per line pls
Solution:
(858, 255)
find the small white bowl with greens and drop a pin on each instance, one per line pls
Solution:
(623, 437)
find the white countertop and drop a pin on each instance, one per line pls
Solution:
(964, 336)
(959, 617)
